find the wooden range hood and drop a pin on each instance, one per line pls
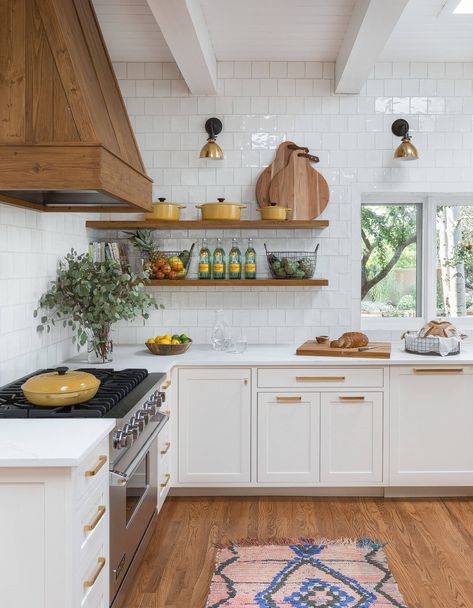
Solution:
(66, 143)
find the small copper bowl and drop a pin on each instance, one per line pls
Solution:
(322, 339)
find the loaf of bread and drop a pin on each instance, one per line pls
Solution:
(351, 339)
(443, 329)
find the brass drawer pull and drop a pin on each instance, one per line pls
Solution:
(292, 399)
(320, 378)
(93, 524)
(101, 562)
(167, 477)
(167, 412)
(438, 370)
(98, 466)
(166, 385)
(166, 449)
(354, 398)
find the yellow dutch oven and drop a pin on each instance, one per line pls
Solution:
(165, 212)
(274, 212)
(221, 210)
(60, 388)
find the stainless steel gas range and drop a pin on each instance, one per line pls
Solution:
(133, 398)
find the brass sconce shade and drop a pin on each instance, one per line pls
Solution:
(211, 149)
(406, 150)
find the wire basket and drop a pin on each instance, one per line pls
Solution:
(171, 265)
(292, 264)
(431, 345)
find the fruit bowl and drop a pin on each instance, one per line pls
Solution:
(168, 349)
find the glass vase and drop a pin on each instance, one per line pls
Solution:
(220, 333)
(100, 345)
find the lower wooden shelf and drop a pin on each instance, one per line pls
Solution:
(239, 282)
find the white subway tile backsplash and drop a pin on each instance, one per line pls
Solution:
(260, 103)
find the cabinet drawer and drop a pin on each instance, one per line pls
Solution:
(93, 516)
(94, 573)
(164, 444)
(92, 470)
(321, 377)
(164, 480)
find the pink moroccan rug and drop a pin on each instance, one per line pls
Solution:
(303, 573)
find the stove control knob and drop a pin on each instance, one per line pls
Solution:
(131, 432)
(150, 408)
(143, 415)
(162, 396)
(137, 424)
(120, 439)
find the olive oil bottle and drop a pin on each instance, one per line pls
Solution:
(218, 262)
(250, 261)
(205, 261)
(234, 261)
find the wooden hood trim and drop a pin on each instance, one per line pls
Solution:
(64, 124)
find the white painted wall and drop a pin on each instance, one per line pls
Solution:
(261, 104)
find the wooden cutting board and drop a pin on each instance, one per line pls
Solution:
(283, 155)
(300, 187)
(311, 348)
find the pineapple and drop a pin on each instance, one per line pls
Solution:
(143, 240)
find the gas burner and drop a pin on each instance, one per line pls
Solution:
(114, 387)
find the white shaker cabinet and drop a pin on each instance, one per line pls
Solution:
(431, 425)
(55, 534)
(214, 425)
(352, 438)
(288, 437)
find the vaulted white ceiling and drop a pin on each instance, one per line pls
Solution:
(291, 30)
(130, 31)
(429, 31)
(354, 33)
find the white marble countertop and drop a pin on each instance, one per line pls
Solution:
(63, 443)
(264, 355)
(49, 443)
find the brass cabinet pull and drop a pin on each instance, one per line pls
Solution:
(245, 381)
(93, 524)
(167, 477)
(438, 370)
(166, 385)
(167, 412)
(91, 582)
(354, 398)
(320, 378)
(295, 398)
(166, 449)
(98, 466)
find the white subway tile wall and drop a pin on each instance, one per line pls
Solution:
(261, 104)
(30, 245)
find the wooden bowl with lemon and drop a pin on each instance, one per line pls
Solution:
(169, 345)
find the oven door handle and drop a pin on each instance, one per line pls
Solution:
(121, 478)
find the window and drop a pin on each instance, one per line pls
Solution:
(391, 268)
(416, 259)
(454, 263)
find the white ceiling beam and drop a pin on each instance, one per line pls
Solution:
(185, 31)
(370, 27)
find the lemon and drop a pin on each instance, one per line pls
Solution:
(168, 337)
(151, 340)
(165, 341)
(175, 341)
(158, 338)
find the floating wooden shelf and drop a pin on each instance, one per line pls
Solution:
(239, 283)
(195, 224)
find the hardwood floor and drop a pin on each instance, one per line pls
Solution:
(430, 543)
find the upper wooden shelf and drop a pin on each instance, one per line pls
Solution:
(198, 224)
